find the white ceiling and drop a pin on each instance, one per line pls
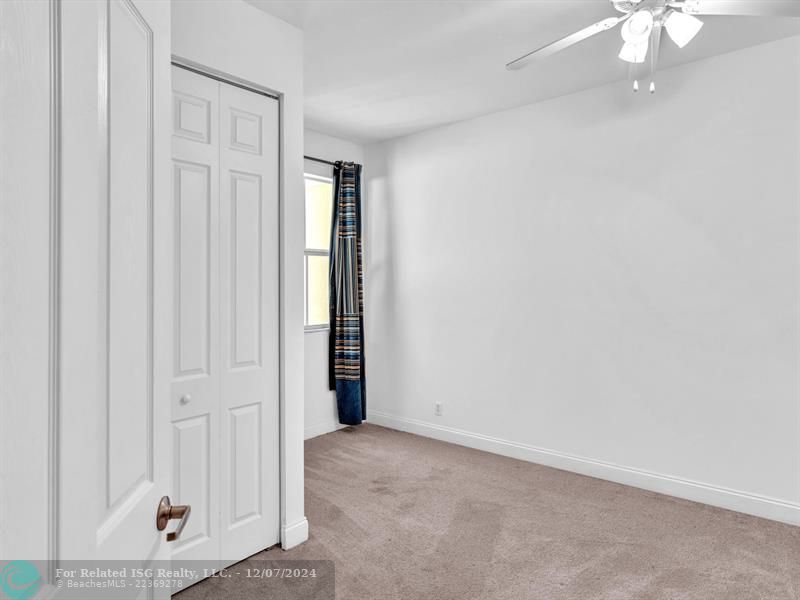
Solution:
(377, 69)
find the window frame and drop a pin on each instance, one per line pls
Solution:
(312, 252)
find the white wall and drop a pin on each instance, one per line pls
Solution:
(320, 406)
(240, 40)
(604, 282)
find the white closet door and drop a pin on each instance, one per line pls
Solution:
(196, 368)
(225, 364)
(249, 314)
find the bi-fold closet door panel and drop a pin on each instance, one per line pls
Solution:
(196, 384)
(250, 510)
(225, 388)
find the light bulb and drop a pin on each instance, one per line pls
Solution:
(652, 87)
(635, 85)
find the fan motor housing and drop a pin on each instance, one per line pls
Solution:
(626, 6)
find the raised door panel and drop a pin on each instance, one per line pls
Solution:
(129, 239)
(245, 131)
(246, 273)
(192, 197)
(191, 117)
(192, 482)
(245, 465)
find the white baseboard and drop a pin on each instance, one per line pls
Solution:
(321, 429)
(295, 534)
(760, 506)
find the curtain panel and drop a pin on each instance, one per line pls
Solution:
(346, 300)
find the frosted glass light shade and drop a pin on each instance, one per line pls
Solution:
(682, 27)
(637, 29)
(634, 53)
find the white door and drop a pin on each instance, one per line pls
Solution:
(225, 387)
(116, 241)
(196, 377)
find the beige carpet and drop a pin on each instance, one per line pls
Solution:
(406, 517)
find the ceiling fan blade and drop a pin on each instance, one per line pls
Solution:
(752, 8)
(566, 42)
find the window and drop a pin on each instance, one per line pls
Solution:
(319, 208)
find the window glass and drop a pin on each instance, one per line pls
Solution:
(317, 290)
(319, 204)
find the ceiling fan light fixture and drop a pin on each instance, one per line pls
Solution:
(682, 28)
(634, 53)
(638, 27)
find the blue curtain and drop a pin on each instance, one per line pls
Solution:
(346, 301)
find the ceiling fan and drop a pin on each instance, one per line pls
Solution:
(643, 20)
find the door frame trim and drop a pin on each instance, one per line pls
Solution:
(54, 361)
(205, 71)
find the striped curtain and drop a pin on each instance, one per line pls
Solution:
(346, 349)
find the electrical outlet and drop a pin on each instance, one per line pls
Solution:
(437, 409)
